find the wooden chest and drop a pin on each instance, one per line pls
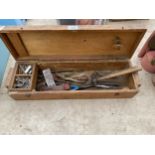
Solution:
(76, 48)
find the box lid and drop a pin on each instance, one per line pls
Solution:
(71, 42)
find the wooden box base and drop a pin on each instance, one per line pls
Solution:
(130, 89)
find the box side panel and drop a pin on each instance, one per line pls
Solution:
(72, 95)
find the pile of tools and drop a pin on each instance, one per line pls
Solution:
(24, 69)
(81, 80)
(22, 82)
(23, 76)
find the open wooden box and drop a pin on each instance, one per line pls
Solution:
(76, 48)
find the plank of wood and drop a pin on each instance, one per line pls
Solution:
(136, 79)
(8, 78)
(9, 29)
(120, 73)
(85, 65)
(34, 76)
(18, 44)
(80, 44)
(13, 76)
(88, 94)
(9, 45)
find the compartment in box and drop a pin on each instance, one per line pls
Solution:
(24, 69)
(21, 80)
(104, 68)
(129, 89)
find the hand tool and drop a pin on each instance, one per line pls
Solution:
(120, 73)
(49, 77)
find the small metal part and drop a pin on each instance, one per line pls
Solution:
(85, 86)
(106, 86)
(28, 69)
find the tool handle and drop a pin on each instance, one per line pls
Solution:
(120, 73)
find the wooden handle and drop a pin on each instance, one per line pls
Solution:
(120, 73)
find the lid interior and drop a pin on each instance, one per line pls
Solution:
(72, 44)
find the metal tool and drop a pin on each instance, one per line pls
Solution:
(49, 77)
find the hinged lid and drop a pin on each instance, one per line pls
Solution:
(71, 42)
